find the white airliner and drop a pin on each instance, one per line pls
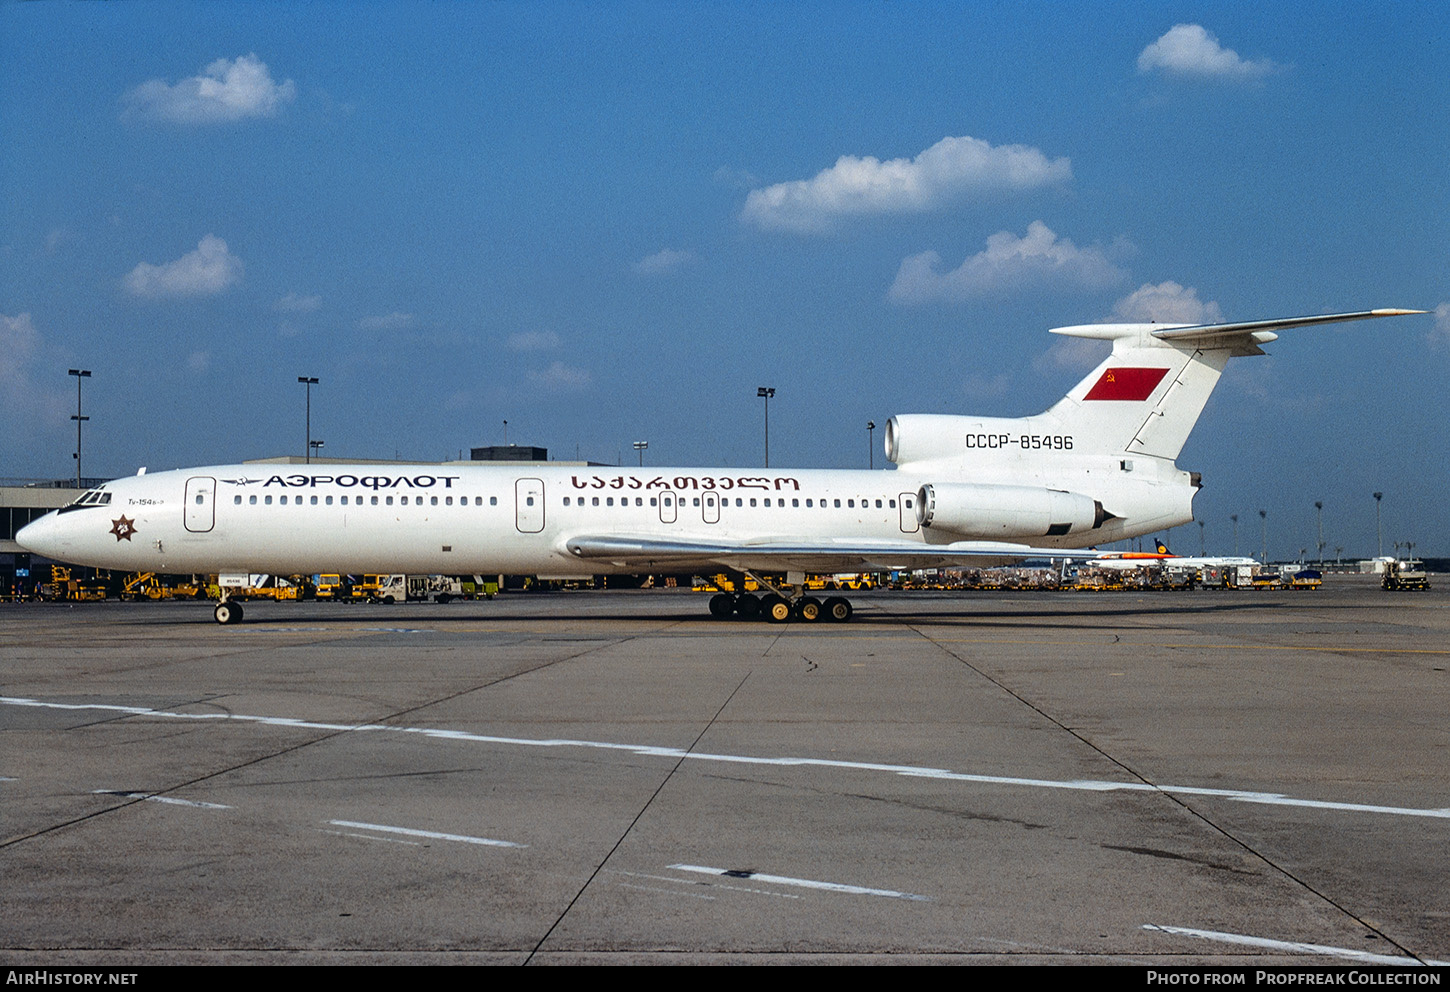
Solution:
(1097, 467)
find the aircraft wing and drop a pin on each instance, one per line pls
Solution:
(823, 556)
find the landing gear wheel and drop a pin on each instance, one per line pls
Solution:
(775, 608)
(808, 609)
(838, 609)
(228, 613)
(747, 607)
(721, 606)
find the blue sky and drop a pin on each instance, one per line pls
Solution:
(612, 222)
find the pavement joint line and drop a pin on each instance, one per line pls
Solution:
(630, 827)
(1176, 795)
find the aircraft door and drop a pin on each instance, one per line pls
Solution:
(529, 505)
(906, 504)
(711, 506)
(668, 509)
(200, 514)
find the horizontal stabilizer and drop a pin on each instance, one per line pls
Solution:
(1199, 333)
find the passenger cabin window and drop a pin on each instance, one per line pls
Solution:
(235, 499)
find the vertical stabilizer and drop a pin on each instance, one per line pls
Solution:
(1146, 396)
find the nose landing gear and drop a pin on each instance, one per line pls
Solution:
(228, 612)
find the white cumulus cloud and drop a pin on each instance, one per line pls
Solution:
(533, 341)
(1190, 50)
(559, 377)
(950, 169)
(665, 260)
(225, 91)
(1039, 258)
(208, 270)
(1166, 303)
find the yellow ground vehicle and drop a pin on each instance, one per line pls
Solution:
(244, 586)
(64, 585)
(150, 585)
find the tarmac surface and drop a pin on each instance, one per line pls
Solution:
(1244, 778)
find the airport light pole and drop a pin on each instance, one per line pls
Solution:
(505, 433)
(639, 446)
(870, 444)
(1319, 508)
(1202, 541)
(1264, 524)
(1235, 518)
(765, 393)
(1379, 527)
(79, 374)
(308, 381)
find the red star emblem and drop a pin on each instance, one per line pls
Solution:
(123, 528)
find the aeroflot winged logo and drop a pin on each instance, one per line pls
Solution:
(1126, 384)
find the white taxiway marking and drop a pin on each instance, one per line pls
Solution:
(804, 883)
(409, 832)
(647, 750)
(1364, 957)
(717, 885)
(385, 840)
(158, 799)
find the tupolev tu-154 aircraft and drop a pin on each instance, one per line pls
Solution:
(1096, 467)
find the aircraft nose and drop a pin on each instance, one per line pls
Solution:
(43, 536)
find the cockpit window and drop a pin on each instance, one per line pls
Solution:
(92, 497)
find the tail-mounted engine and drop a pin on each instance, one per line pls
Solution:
(991, 512)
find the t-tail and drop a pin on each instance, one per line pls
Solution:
(1110, 443)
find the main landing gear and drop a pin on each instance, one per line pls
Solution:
(776, 608)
